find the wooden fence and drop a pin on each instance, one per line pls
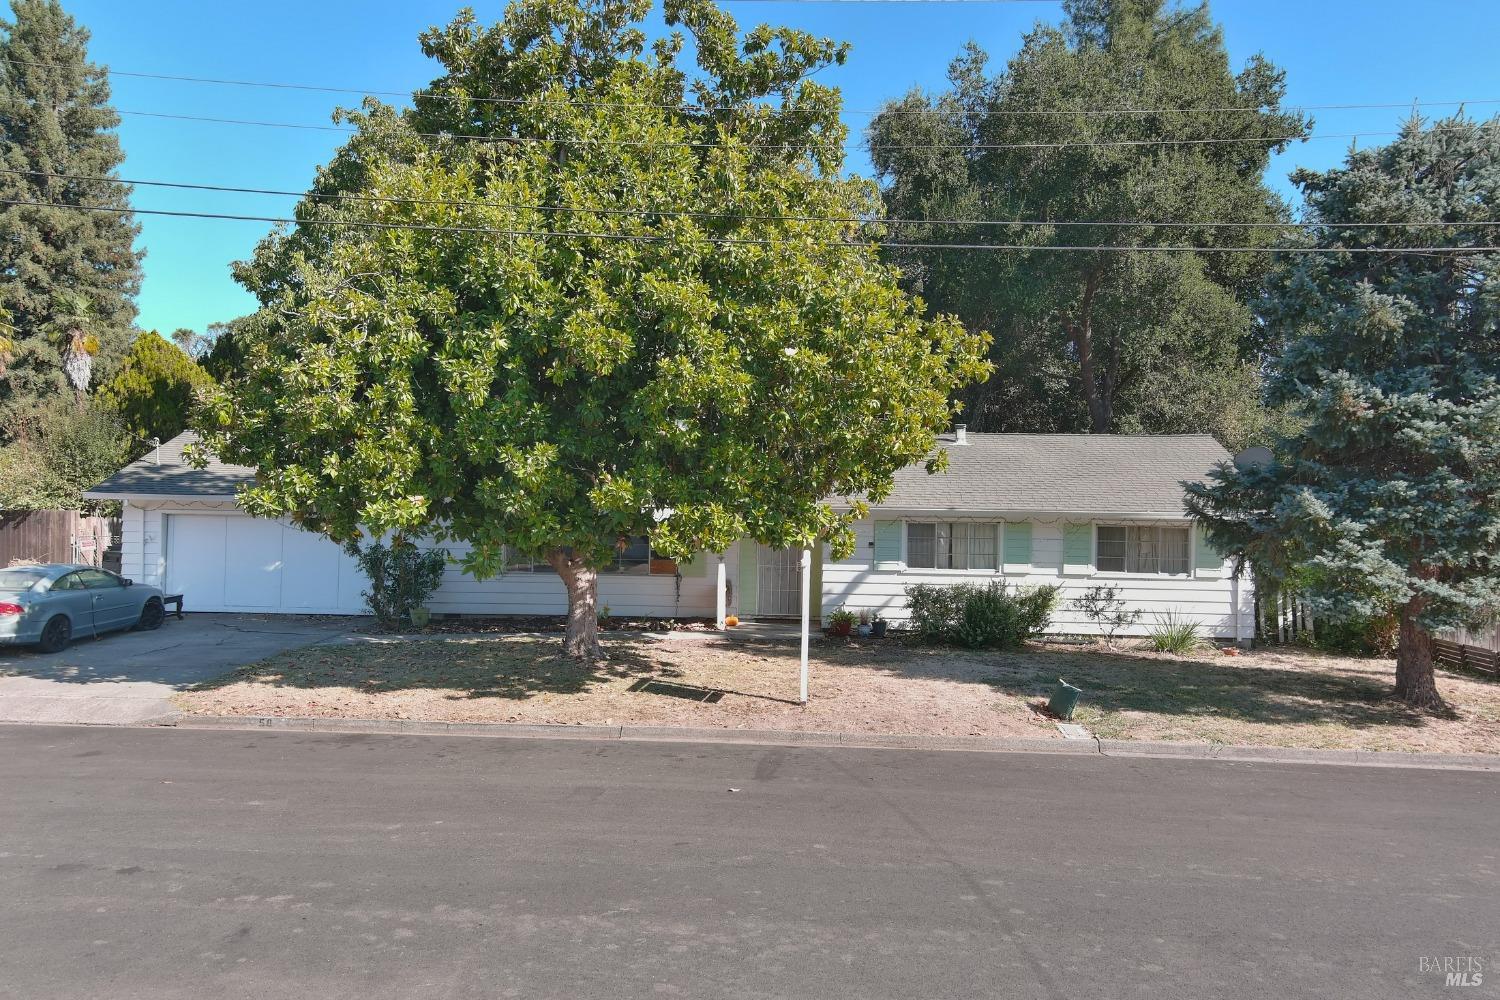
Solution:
(1467, 650)
(65, 536)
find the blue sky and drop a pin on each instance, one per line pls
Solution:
(1334, 51)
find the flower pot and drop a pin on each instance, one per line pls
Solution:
(863, 631)
(840, 630)
(878, 628)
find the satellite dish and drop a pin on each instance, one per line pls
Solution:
(1255, 457)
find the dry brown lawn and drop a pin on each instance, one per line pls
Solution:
(1271, 698)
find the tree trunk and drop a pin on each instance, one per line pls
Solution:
(581, 642)
(1081, 331)
(1415, 682)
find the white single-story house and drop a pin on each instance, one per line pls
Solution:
(1079, 510)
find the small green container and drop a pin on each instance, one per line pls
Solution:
(1064, 700)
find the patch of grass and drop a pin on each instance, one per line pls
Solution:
(1280, 697)
(516, 667)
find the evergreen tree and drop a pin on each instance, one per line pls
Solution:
(1100, 340)
(55, 118)
(1390, 497)
(155, 390)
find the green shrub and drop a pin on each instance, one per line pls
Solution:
(980, 616)
(402, 577)
(934, 610)
(68, 447)
(1363, 635)
(1173, 633)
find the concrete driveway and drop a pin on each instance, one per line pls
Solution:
(127, 677)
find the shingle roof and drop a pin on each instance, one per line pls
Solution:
(1085, 473)
(162, 472)
(1063, 473)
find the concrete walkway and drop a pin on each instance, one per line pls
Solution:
(127, 677)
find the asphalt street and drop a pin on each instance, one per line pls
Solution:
(173, 863)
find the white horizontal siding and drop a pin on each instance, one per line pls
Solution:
(143, 558)
(1208, 600)
(627, 595)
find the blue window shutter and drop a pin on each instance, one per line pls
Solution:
(887, 544)
(1018, 543)
(1078, 549)
(1207, 561)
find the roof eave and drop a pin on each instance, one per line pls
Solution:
(127, 495)
(1020, 513)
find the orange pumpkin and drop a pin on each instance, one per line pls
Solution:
(731, 621)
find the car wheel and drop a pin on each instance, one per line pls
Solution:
(152, 615)
(56, 635)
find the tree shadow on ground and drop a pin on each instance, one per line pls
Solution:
(1250, 688)
(504, 667)
(515, 667)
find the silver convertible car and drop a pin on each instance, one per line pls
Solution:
(49, 605)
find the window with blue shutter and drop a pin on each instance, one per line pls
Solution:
(887, 544)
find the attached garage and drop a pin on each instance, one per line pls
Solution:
(233, 562)
(182, 530)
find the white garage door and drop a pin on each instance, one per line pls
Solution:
(233, 562)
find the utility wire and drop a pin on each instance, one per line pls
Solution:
(739, 241)
(670, 213)
(709, 108)
(1262, 140)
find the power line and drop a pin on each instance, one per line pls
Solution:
(349, 130)
(676, 213)
(740, 241)
(709, 108)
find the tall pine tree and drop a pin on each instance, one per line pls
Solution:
(1390, 497)
(55, 118)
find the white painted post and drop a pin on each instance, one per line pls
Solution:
(806, 612)
(722, 595)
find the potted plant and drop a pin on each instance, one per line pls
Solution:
(878, 625)
(841, 623)
(420, 616)
(863, 628)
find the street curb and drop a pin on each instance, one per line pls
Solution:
(873, 741)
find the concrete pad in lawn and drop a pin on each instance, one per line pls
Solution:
(127, 677)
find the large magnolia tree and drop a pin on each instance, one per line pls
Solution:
(582, 292)
(1390, 496)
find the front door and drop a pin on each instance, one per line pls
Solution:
(779, 594)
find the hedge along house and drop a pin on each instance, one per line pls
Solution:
(1075, 510)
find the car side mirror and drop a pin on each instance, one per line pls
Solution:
(129, 583)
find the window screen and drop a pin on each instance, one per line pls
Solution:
(952, 545)
(1147, 549)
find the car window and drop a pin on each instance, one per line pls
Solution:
(22, 577)
(69, 582)
(97, 579)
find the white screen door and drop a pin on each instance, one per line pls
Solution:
(780, 590)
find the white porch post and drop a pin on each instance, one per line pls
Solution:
(806, 605)
(722, 595)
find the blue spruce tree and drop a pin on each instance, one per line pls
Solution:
(1389, 498)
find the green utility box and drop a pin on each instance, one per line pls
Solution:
(1064, 700)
